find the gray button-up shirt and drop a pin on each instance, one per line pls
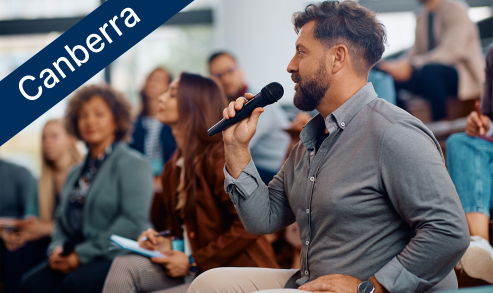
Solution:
(375, 199)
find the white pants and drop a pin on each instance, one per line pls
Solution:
(242, 280)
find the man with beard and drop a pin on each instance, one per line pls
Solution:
(446, 59)
(367, 184)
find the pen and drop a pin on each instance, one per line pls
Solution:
(162, 234)
(478, 109)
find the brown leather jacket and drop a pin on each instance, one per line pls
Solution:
(217, 237)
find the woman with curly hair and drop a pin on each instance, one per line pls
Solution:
(193, 205)
(109, 193)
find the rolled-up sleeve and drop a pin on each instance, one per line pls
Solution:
(261, 209)
(414, 176)
(245, 185)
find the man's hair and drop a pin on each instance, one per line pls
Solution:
(219, 53)
(346, 23)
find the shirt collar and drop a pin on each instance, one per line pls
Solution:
(340, 118)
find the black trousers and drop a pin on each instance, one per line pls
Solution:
(14, 264)
(88, 278)
(435, 83)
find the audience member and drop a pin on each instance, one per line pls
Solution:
(446, 59)
(367, 185)
(109, 193)
(59, 154)
(149, 136)
(17, 185)
(470, 161)
(269, 145)
(193, 205)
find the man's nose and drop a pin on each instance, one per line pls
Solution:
(293, 65)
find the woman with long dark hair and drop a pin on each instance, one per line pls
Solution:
(193, 205)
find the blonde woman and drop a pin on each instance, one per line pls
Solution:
(59, 156)
(28, 244)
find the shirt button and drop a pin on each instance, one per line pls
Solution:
(307, 211)
(307, 242)
(343, 124)
(312, 179)
(306, 273)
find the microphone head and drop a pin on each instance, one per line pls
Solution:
(272, 92)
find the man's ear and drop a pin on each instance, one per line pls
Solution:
(339, 57)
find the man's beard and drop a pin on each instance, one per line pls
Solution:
(311, 91)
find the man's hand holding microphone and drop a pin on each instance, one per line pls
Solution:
(240, 123)
(237, 137)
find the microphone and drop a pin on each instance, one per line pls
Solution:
(270, 94)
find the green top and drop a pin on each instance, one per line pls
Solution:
(32, 205)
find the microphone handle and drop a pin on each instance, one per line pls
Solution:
(245, 112)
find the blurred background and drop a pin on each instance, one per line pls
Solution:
(258, 32)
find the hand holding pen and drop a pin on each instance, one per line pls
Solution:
(152, 240)
(160, 234)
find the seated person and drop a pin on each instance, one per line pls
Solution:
(17, 185)
(151, 137)
(109, 193)
(193, 204)
(367, 184)
(446, 59)
(59, 154)
(470, 161)
(269, 145)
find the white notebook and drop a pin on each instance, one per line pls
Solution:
(133, 246)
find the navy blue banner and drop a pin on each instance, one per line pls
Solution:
(76, 56)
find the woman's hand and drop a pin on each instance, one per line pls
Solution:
(162, 244)
(12, 239)
(176, 263)
(476, 126)
(400, 70)
(63, 264)
(300, 121)
(33, 229)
